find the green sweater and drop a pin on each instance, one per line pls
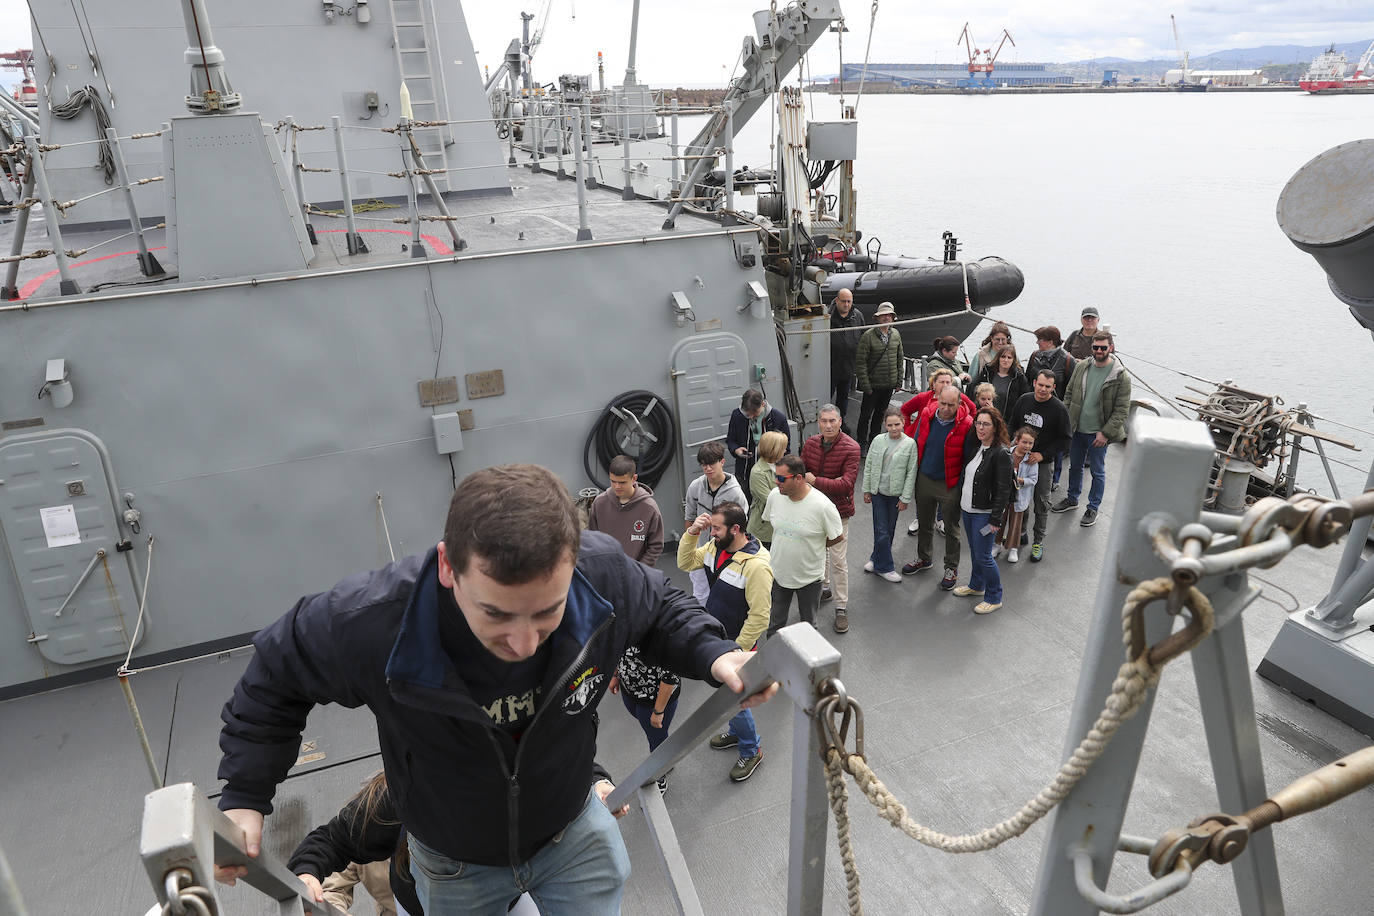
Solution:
(879, 365)
(902, 467)
(1113, 403)
(761, 483)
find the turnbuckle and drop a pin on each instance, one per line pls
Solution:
(1221, 838)
(835, 703)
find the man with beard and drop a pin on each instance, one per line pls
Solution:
(1098, 399)
(737, 566)
(805, 523)
(1046, 414)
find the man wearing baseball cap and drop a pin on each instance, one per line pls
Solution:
(878, 364)
(1080, 342)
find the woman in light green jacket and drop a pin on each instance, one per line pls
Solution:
(772, 446)
(889, 481)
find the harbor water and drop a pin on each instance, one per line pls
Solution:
(1157, 208)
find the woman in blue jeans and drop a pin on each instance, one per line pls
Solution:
(650, 695)
(984, 493)
(889, 479)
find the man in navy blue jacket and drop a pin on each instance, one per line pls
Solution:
(483, 662)
(748, 422)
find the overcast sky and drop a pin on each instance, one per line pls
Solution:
(698, 42)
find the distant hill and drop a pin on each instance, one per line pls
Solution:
(1233, 59)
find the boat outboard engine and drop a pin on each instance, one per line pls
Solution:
(1327, 210)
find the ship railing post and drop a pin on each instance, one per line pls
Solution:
(562, 129)
(537, 136)
(21, 226)
(623, 105)
(676, 152)
(434, 194)
(728, 218)
(1165, 476)
(146, 262)
(352, 237)
(417, 248)
(587, 139)
(298, 176)
(584, 232)
(68, 286)
(801, 661)
(183, 837)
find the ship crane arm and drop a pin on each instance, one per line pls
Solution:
(784, 38)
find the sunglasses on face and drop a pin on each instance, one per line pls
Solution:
(783, 478)
(1102, 348)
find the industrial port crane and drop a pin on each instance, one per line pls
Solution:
(981, 60)
(1182, 54)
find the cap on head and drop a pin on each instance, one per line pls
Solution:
(1090, 312)
(885, 309)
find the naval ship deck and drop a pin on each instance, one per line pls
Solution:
(966, 718)
(540, 211)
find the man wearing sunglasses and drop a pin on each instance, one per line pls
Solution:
(805, 522)
(1098, 397)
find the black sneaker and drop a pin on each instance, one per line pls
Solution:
(916, 566)
(1064, 505)
(951, 578)
(1089, 517)
(663, 785)
(825, 593)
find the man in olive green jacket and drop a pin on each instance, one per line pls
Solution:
(1098, 397)
(878, 364)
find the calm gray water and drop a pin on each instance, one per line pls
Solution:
(1157, 208)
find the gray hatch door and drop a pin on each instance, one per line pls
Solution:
(57, 511)
(710, 373)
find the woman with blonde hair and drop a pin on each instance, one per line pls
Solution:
(772, 446)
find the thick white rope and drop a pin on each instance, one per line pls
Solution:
(1130, 689)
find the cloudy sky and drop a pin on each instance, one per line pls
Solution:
(674, 51)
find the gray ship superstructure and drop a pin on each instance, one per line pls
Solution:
(272, 397)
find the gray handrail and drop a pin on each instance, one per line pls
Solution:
(185, 836)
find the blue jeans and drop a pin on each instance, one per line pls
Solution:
(1058, 468)
(583, 869)
(642, 712)
(884, 526)
(1081, 446)
(742, 727)
(985, 577)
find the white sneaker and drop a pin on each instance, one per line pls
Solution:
(892, 576)
(914, 527)
(1012, 555)
(868, 567)
(940, 526)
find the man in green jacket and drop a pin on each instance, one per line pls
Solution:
(1098, 396)
(878, 364)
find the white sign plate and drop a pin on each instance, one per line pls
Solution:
(59, 526)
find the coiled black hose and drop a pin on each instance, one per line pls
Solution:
(610, 436)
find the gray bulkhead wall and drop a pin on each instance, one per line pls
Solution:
(285, 61)
(255, 425)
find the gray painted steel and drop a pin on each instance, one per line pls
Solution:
(1167, 467)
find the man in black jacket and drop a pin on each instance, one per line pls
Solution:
(483, 662)
(1047, 415)
(846, 326)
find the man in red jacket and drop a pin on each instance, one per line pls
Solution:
(911, 412)
(940, 432)
(832, 466)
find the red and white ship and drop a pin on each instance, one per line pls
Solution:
(1327, 74)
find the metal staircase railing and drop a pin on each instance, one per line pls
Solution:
(185, 836)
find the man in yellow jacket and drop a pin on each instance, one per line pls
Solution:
(741, 597)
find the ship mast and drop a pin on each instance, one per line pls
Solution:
(210, 90)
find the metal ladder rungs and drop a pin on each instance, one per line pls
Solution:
(410, 25)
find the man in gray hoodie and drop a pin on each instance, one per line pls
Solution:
(628, 513)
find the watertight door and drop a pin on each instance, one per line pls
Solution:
(57, 511)
(710, 373)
